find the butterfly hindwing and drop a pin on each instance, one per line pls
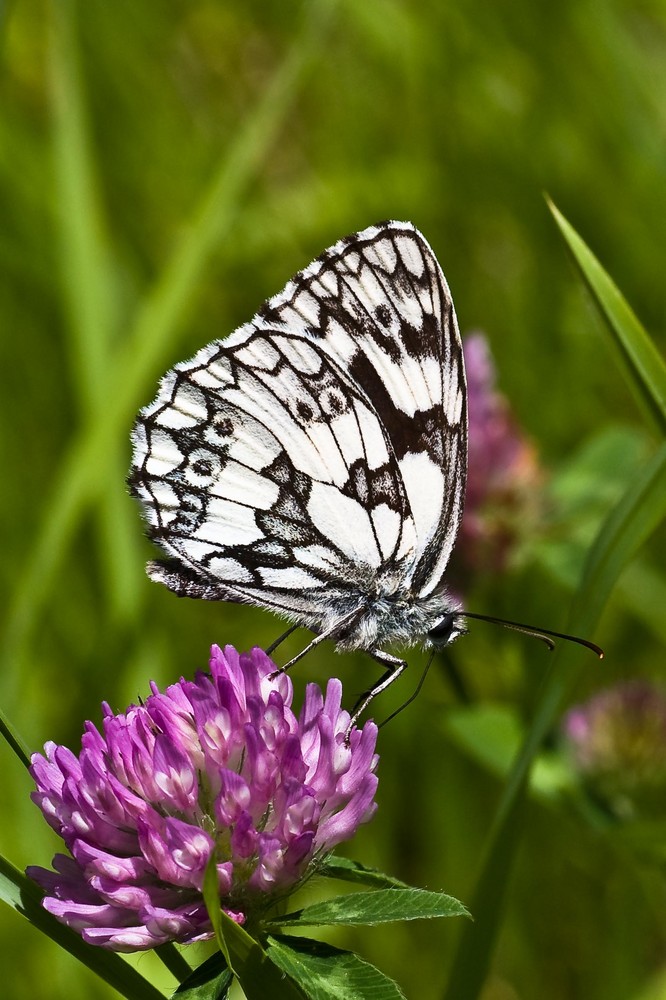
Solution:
(267, 473)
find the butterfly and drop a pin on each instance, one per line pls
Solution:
(313, 462)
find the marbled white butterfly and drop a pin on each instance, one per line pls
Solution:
(313, 462)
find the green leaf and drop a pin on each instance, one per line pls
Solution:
(244, 955)
(21, 893)
(210, 981)
(327, 973)
(369, 908)
(643, 366)
(255, 970)
(353, 871)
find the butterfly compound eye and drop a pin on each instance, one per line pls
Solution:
(442, 633)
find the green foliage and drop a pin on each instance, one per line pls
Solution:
(211, 981)
(311, 966)
(164, 168)
(326, 973)
(640, 510)
(370, 908)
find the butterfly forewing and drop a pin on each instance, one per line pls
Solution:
(378, 301)
(319, 452)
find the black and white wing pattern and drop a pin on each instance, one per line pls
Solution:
(314, 461)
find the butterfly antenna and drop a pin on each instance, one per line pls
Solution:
(413, 695)
(544, 634)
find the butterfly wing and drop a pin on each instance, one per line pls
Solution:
(378, 302)
(320, 446)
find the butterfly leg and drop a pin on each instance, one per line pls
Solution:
(280, 639)
(415, 693)
(334, 632)
(394, 667)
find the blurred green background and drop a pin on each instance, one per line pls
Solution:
(163, 169)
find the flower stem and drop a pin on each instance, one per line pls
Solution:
(174, 961)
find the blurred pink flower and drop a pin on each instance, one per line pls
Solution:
(504, 478)
(617, 743)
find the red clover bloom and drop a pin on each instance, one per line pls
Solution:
(218, 765)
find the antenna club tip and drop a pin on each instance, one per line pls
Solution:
(537, 633)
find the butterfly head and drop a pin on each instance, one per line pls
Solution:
(448, 628)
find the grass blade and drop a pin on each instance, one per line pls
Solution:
(14, 740)
(83, 258)
(209, 981)
(87, 288)
(643, 366)
(172, 959)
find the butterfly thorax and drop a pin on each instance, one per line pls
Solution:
(401, 618)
